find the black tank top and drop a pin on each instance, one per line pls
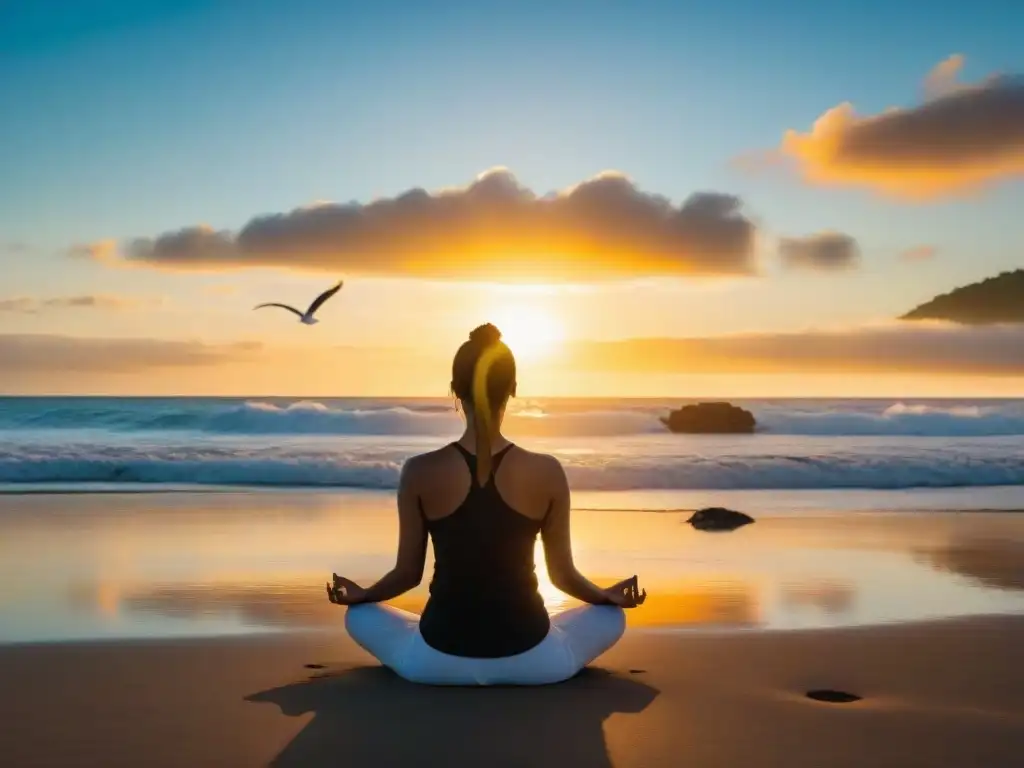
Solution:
(483, 600)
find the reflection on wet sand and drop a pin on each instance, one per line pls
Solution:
(254, 605)
(994, 563)
(732, 604)
(149, 565)
(833, 597)
(302, 605)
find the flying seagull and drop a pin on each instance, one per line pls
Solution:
(307, 316)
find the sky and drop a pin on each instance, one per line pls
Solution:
(648, 198)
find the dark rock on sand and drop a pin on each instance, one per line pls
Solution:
(711, 418)
(833, 697)
(719, 519)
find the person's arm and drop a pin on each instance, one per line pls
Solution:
(412, 552)
(558, 545)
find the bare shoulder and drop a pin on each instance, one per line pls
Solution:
(423, 466)
(424, 462)
(543, 466)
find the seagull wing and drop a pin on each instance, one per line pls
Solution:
(282, 306)
(319, 300)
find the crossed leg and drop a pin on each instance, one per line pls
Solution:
(382, 631)
(588, 631)
(577, 637)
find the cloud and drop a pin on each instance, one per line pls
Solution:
(41, 353)
(19, 304)
(943, 79)
(920, 253)
(494, 228)
(961, 137)
(28, 305)
(15, 247)
(898, 348)
(101, 250)
(825, 251)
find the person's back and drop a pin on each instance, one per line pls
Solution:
(482, 502)
(484, 600)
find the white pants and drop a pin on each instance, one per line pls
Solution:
(577, 637)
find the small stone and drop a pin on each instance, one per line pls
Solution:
(719, 519)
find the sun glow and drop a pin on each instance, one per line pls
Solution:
(529, 331)
(554, 599)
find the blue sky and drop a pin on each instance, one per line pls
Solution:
(123, 119)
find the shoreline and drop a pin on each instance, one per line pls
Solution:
(584, 497)
(933, 694)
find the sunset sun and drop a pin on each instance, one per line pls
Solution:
(529, 331)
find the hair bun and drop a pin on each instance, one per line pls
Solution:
(485, 335)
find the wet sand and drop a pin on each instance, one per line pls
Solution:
(94, 566)
(934, 694)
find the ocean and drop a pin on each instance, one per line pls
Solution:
(606, 445)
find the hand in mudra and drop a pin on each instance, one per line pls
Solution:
(345, 591)
(627, 593)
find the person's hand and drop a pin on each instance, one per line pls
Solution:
(627, 593)
(345, 591)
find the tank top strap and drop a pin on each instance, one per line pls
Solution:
(496, 458)
(469, 457)
(470, 460)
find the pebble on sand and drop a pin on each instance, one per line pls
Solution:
(719, 519)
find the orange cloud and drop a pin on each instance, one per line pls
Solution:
(51, 354)
(943, 79)
(934, 349)
(920, 253)
(961, 137)
(494, 228)
(101, 250)
(28, 305)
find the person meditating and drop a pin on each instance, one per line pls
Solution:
(483, 501)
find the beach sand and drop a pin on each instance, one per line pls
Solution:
(176, 630)
(934, 694)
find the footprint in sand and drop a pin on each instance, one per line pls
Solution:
(833, 697)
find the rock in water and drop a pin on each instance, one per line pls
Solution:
(719, 519)
(711, 418)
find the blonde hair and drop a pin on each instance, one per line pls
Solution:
(483, 377)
